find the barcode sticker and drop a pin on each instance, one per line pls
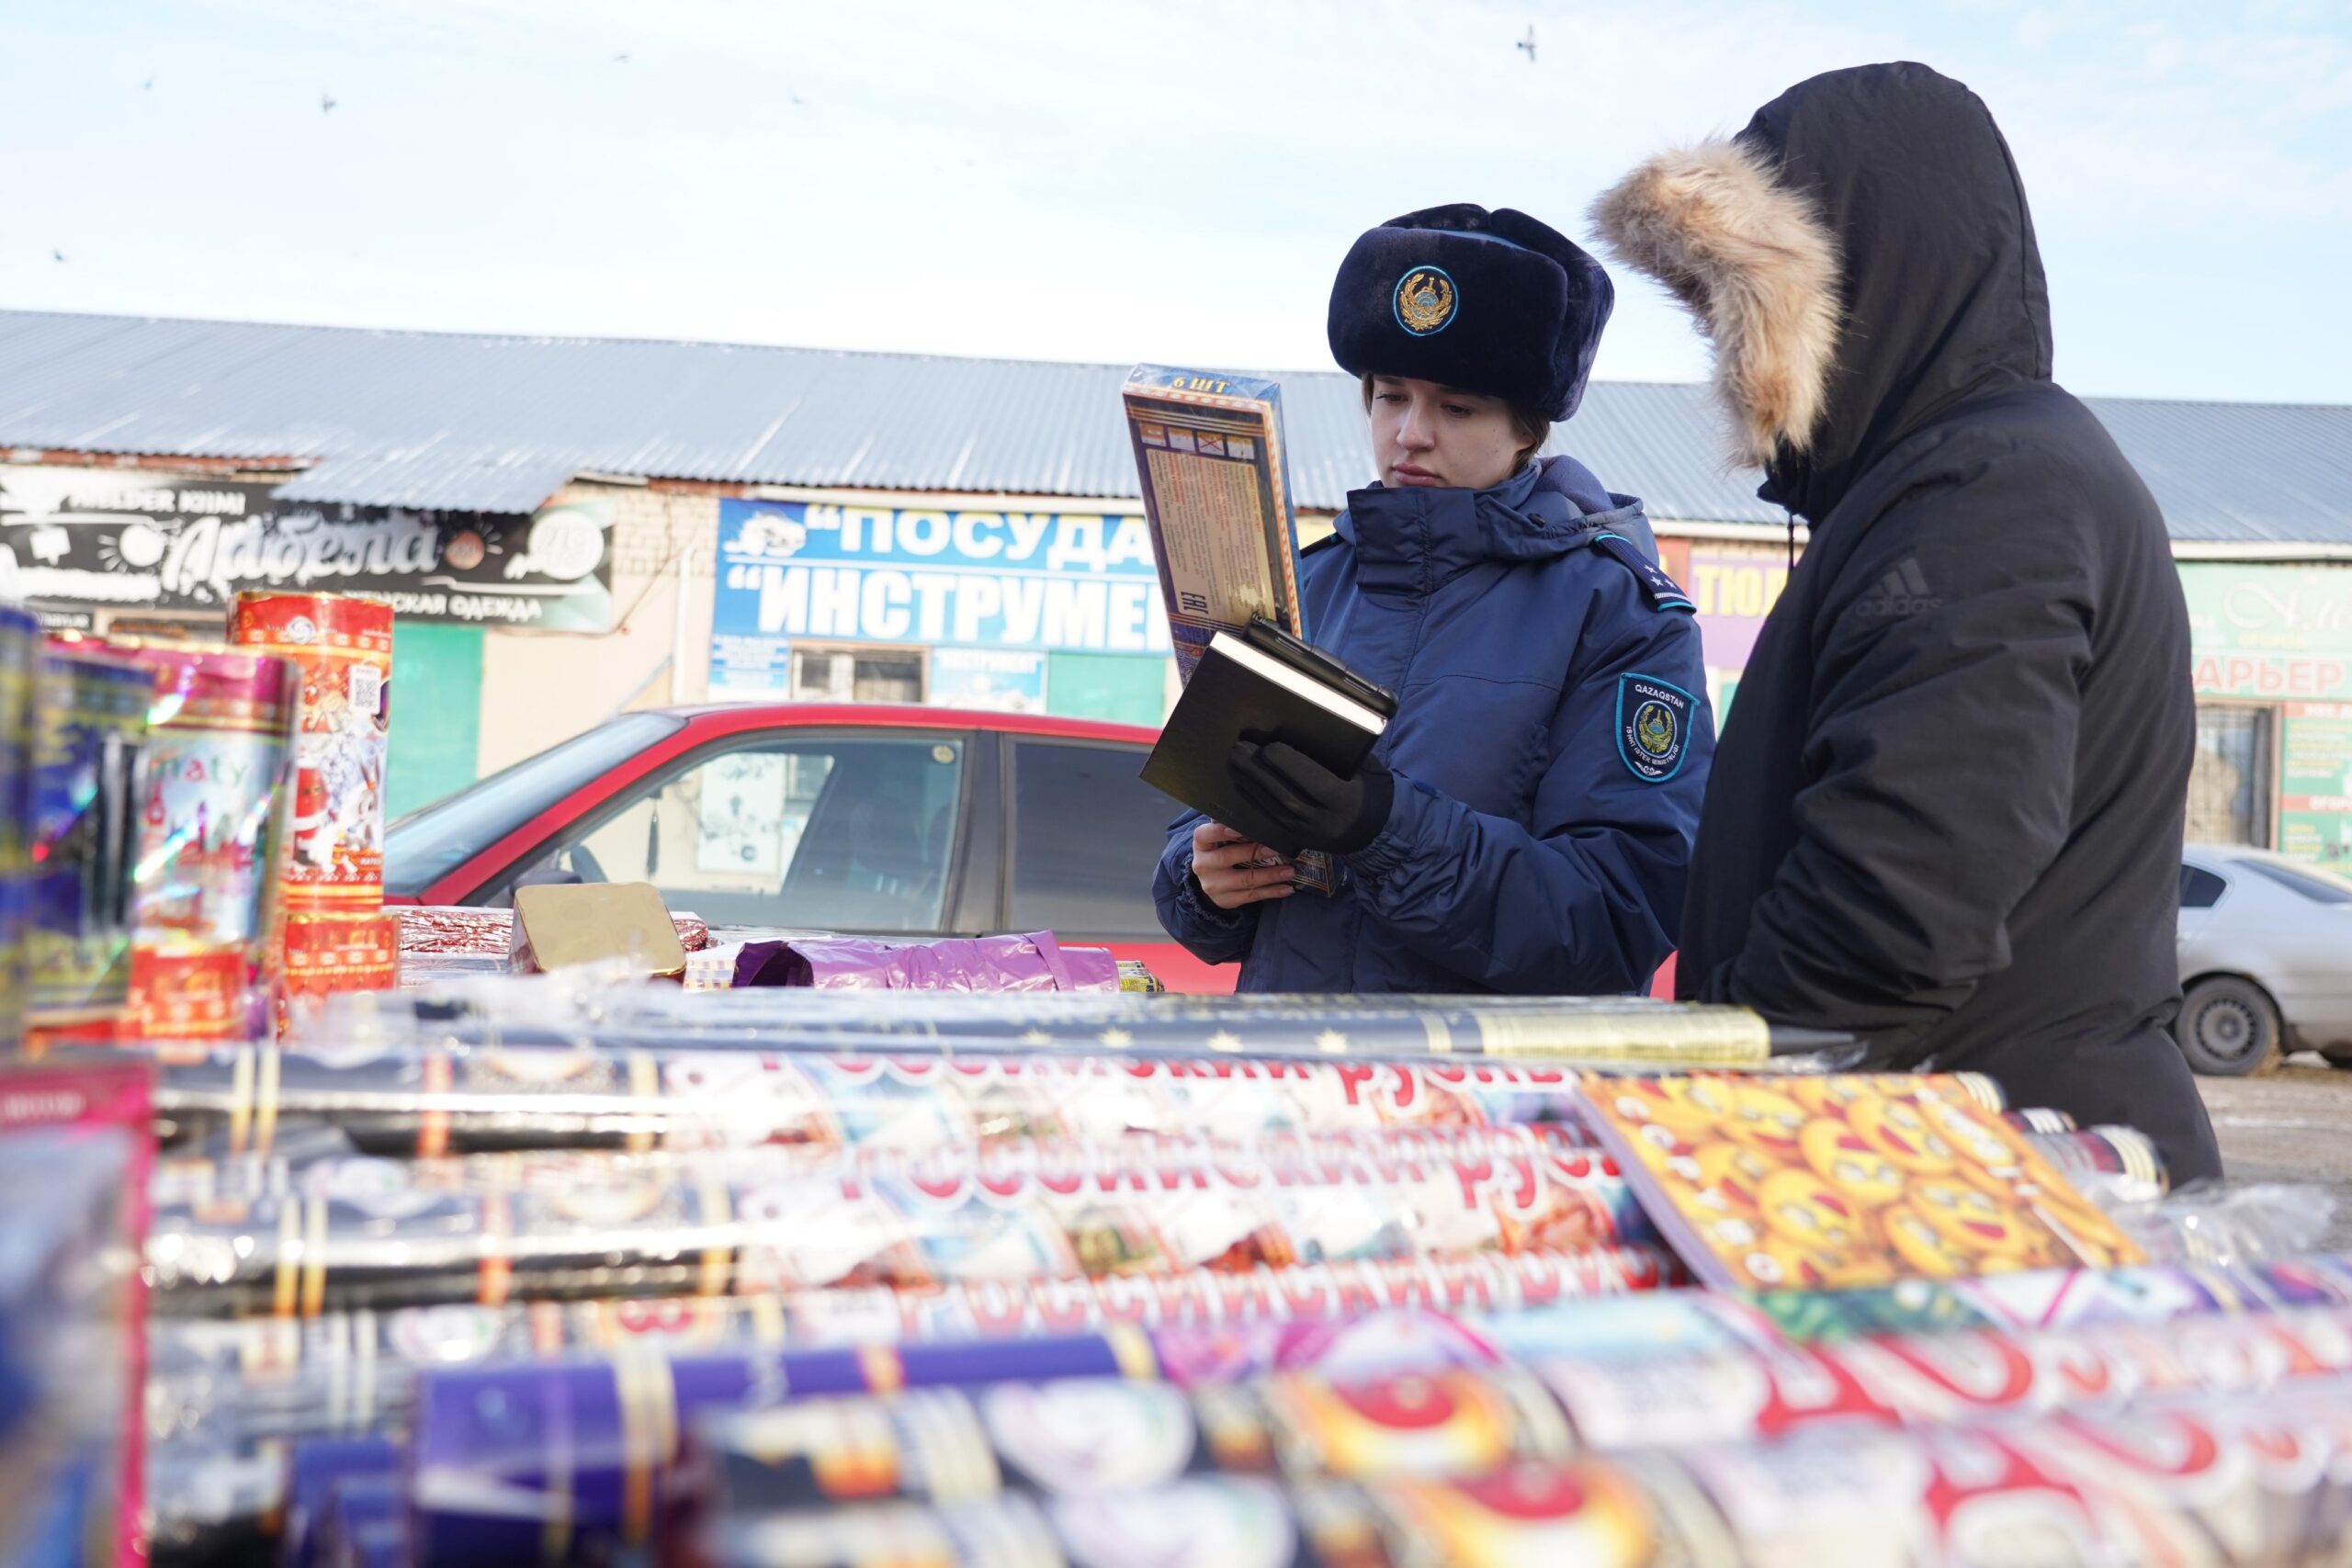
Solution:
(366, 688)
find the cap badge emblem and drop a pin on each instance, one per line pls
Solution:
(1424, 301)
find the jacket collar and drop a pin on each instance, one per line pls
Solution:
(1414, 539)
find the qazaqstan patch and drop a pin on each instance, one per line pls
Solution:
(1653, 726)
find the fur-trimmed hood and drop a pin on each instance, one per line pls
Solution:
(1860, 256)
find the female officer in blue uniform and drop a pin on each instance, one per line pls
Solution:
(1525, 822)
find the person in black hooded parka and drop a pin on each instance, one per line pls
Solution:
(1946, 811)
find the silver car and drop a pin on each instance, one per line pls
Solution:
(2266, 960)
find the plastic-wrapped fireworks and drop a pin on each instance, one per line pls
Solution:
(501, 1454)
(211, 835)
(261, 1379)
(1620, 1030)
(1082, 1436)
(742, 1224)
(89, 722)
(442, 1100)
(2228, 1482)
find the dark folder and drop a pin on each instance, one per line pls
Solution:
(1264, 685)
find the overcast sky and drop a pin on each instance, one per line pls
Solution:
(1101, 180)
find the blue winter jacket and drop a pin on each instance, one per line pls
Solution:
(1550, 748)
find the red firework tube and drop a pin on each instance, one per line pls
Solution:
(343, 649)
(325, 953)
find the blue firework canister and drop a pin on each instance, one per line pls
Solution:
(20, 652)
(89, 720)
(568, 1461)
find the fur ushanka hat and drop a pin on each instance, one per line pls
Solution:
(1491, 303)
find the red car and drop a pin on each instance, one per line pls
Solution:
(888, 821)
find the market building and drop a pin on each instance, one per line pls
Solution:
(570, 528)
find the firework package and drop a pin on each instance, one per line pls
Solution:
(226, 1395)
(1022, 1212)
(89, 721)
(351, 1372)
(336, 936)
(211, 823)
(443, 1100)
(1846, 1180)
(19, 664)
(1615, 1030)
(2224, 1481)
(499, 1455)
(72, 1314)
(1077, 1435)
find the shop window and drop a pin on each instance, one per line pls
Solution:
(2229, 786)
(857, 675)
(853, 833)
(1086, 833)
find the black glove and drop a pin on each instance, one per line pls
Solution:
(1314, 808)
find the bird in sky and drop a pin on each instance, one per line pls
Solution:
(147, 85)
(620, 60)
(1528, 43)
(55, 255)
(326, 103)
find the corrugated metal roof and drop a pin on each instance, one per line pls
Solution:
(491, 423)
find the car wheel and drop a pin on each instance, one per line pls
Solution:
(2229, 1028)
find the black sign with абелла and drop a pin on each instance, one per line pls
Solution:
(129, 540)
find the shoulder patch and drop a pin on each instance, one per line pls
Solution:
(1653, 726)
(1664, 593)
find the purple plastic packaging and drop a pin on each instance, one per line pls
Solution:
(563, 1463)
(1034, 962)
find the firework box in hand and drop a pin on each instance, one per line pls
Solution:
(1215, 481)
(1844, 1181)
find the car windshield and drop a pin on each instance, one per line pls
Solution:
(427, 845)
(2319, 887)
